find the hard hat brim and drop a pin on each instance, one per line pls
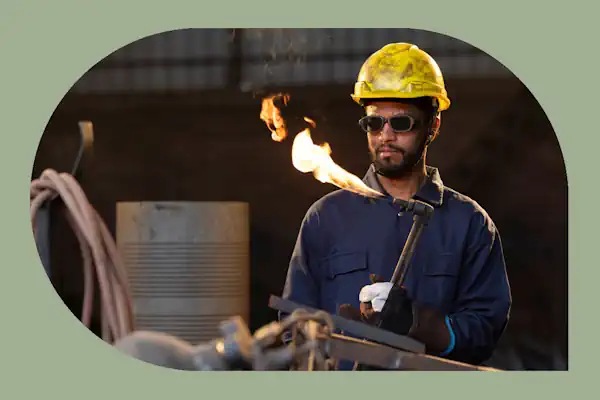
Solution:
(444, 102)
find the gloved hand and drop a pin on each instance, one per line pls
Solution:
(375, 295)
(389, 307)
(365, 313)
(378, 299)
(429, 327)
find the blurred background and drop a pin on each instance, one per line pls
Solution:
(176, 119)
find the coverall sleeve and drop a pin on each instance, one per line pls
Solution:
(484, 296)
(301, 285)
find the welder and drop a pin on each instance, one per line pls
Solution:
(456, 294)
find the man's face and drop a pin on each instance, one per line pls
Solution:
(394, 154)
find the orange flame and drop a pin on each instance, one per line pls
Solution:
(271, 115)
(309, 157)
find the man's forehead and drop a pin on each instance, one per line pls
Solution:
(389, 107)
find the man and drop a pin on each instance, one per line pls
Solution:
(456, 286)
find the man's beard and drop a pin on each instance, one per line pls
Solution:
(401, 169)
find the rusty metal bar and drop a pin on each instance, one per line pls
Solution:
(368, 353)
(355, 328)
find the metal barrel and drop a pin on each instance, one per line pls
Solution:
(188, 264)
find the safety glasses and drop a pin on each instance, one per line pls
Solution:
(375, 123)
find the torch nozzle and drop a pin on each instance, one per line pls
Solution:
(417, 207)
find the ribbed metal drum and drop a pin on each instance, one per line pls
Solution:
(188, 264)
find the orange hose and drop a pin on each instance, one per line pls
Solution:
(101, 259)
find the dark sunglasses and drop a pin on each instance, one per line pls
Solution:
(399, 123)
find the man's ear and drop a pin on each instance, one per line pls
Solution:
(435, 128)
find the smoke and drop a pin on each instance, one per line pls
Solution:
(275, 50)
(288, 43)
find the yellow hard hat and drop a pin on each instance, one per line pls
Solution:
(400, 71)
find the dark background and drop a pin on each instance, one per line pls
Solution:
(176, 117)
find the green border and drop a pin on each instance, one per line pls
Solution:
(47, 46)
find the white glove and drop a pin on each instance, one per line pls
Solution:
(376, 294)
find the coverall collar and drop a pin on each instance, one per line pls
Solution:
(432, 190)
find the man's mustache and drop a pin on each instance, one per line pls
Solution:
(389, 146)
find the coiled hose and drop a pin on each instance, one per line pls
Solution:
(101, 259)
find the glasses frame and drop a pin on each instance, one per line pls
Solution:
(362, 123)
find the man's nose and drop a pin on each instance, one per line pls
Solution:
(387, 133)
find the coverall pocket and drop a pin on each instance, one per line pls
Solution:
(440, 279)
(346, 273)
(345, 263)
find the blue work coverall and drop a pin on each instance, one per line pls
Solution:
(458, 266)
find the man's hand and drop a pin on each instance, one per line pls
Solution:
(372, 298)
(397, 313)
(388, 307)
(431, 328)
(381, 299)
(375, 295)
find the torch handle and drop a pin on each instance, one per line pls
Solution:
(409, 248)
(422, 212)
